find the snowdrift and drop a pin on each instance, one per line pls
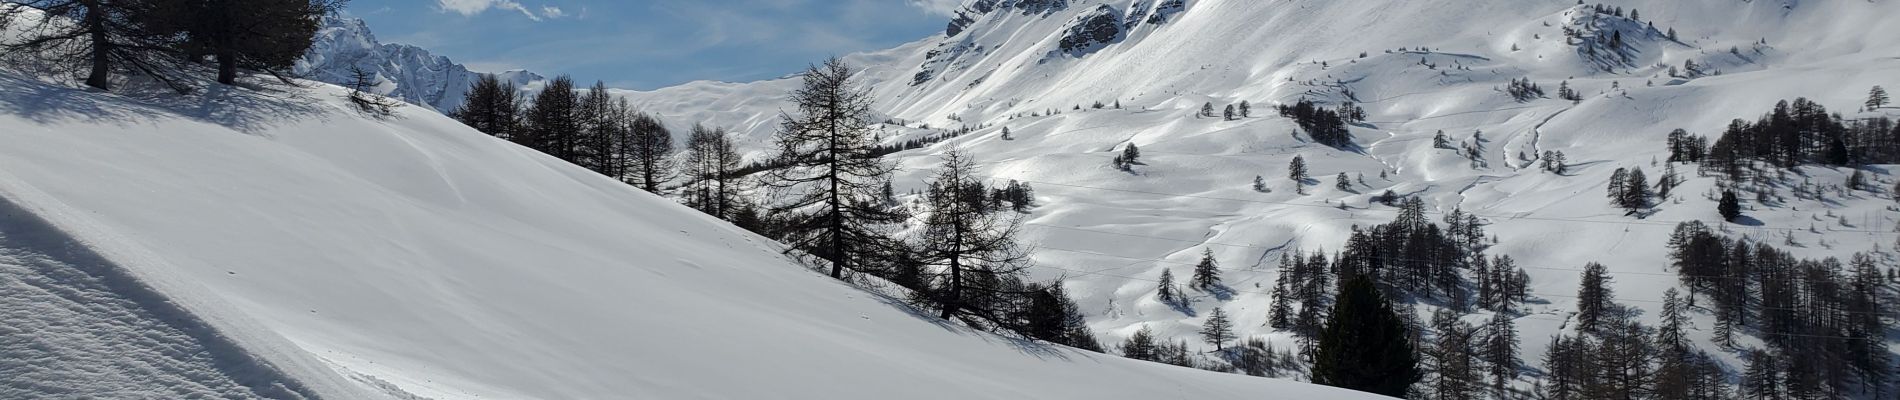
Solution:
(411, 257)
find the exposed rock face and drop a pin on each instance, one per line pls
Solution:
(1091, 31)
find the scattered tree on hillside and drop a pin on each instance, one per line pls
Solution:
(1206, 273)
(1554, 162)
(1166, 290)
(1296, 171)
(1730, 206)
(1325, 126)
(1217, 330)
(1229, 113)
(1207, 110)
(1129, 157)
(1006, 134)
(1259, 184)
(1342, 183)
(1246, 109)
(1524, 90)
(1876, 98)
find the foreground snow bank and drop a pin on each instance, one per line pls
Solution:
(415, 257)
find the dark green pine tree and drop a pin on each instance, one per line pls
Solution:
(1365, 345)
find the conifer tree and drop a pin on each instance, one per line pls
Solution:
(1877, 98)
(1342, 183)
(1454, 373)
(601, 122)
(1141, 346)
(1635, 191)
(1595, 301)
(1246, 109)
(1217, 330)
(1207, 110)
(1229, 114)
(1500, 351)
(490, 106)
(1206, 273)
(832, 172)
(1296, 171)
(1365, 345)
(1730, 206)
(1280, 312)
(1165, 290)
(552, 119)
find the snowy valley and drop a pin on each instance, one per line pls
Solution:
(299, 247)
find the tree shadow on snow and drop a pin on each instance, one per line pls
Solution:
(253, 108)
(1027, 346)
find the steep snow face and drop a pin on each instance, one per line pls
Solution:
(401, 71)
(1417, 67)
(411, 256)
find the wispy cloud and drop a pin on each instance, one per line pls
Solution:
(472, 7)
(940, 7)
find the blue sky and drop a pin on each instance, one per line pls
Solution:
(646, 44)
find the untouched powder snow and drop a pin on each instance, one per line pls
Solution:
(411, 257)
(78, 327)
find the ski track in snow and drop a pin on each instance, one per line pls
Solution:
(75, 326)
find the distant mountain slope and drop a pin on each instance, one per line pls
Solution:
(411, 257)
(405, 72)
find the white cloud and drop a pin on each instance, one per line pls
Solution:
(552, 12)
(472, 7)
(940, 7)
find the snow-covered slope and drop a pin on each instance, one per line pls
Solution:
(410, 73)
(412, 257)
(1418, 67)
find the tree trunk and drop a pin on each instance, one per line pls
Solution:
(101, 76)
(227, 66)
